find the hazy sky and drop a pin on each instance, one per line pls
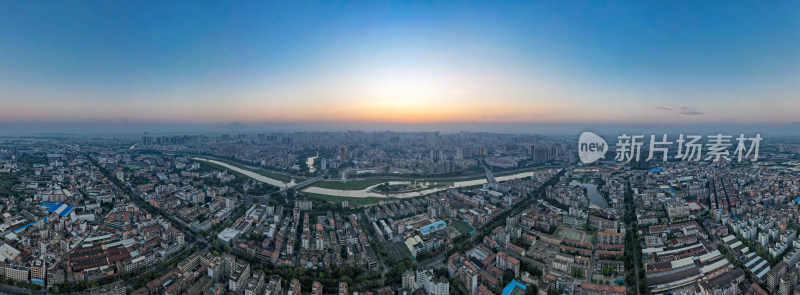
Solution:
(544, 62)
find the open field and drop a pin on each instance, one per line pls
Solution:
(350, 184)
(570, 234)
(462, 227)
(352, 201)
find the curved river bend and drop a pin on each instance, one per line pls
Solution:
(363, 193)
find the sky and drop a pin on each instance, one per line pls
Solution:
(400, 62)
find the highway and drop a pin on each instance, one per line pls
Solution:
(489, 176)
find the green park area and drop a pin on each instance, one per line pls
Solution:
(350, 184)
(352, 201)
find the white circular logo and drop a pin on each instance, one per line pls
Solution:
(591, 147)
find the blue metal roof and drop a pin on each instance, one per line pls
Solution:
(433, 226)
(52, 207)
(25, 226)
(66, 211)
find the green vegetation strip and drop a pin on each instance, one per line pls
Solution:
(352, 201)
(361, 184)
(532, 169)
(273, 175)
(353, 184)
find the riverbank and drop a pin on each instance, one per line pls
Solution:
(365, 192)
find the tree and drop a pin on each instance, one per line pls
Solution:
(532, 290)
(508, 275)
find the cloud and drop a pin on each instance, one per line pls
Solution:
(691, 113)
(682, 110)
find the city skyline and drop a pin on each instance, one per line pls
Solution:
(401, 147)
(397, 64)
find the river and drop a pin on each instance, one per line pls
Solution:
(364, 193)
(249, 173)
(594, 195)
(367, 191)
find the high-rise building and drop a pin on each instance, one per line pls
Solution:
(425, 279)
(436, 155)
(409, 280)
(468, 277)
(463, 152)
(147, 140)
(639, 164)
(38, 272)
(303, 205)
(296, 213)
(343, 154)
(775, 274)
(541, 153)
(785, 286)
(504, 261)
